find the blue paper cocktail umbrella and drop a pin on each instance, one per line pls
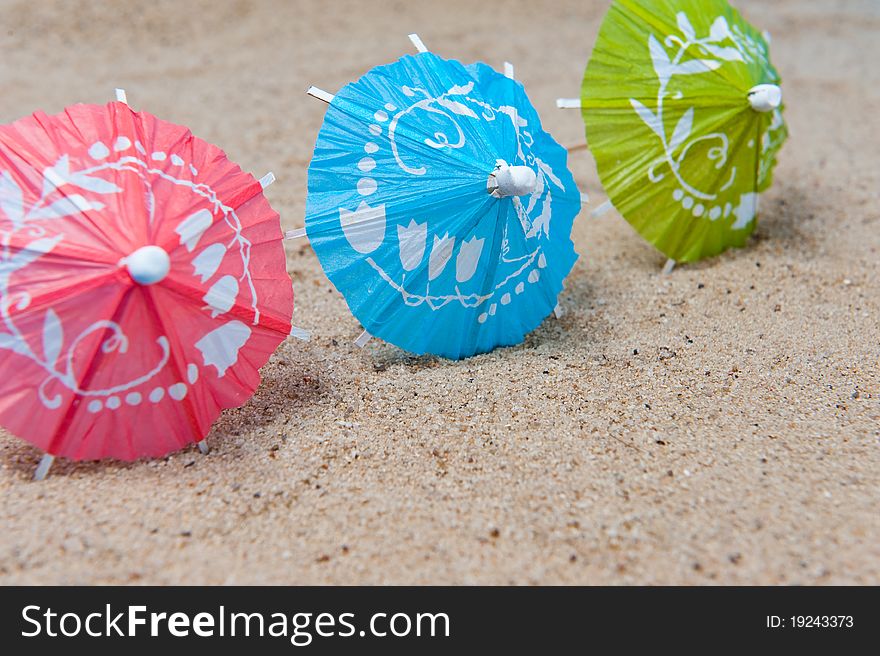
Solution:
(439, 207)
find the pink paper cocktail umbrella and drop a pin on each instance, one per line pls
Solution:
(143, 283)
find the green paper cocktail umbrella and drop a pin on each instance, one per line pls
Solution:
(683, 115)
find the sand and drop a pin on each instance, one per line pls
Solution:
(718, 425)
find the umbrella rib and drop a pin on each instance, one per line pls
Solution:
(411, 137)
(238, 310)
(758, 146)
(81, 286)
(191, 412)
(90, 372)
(67, 252)
(136, 121)
(448, 195)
